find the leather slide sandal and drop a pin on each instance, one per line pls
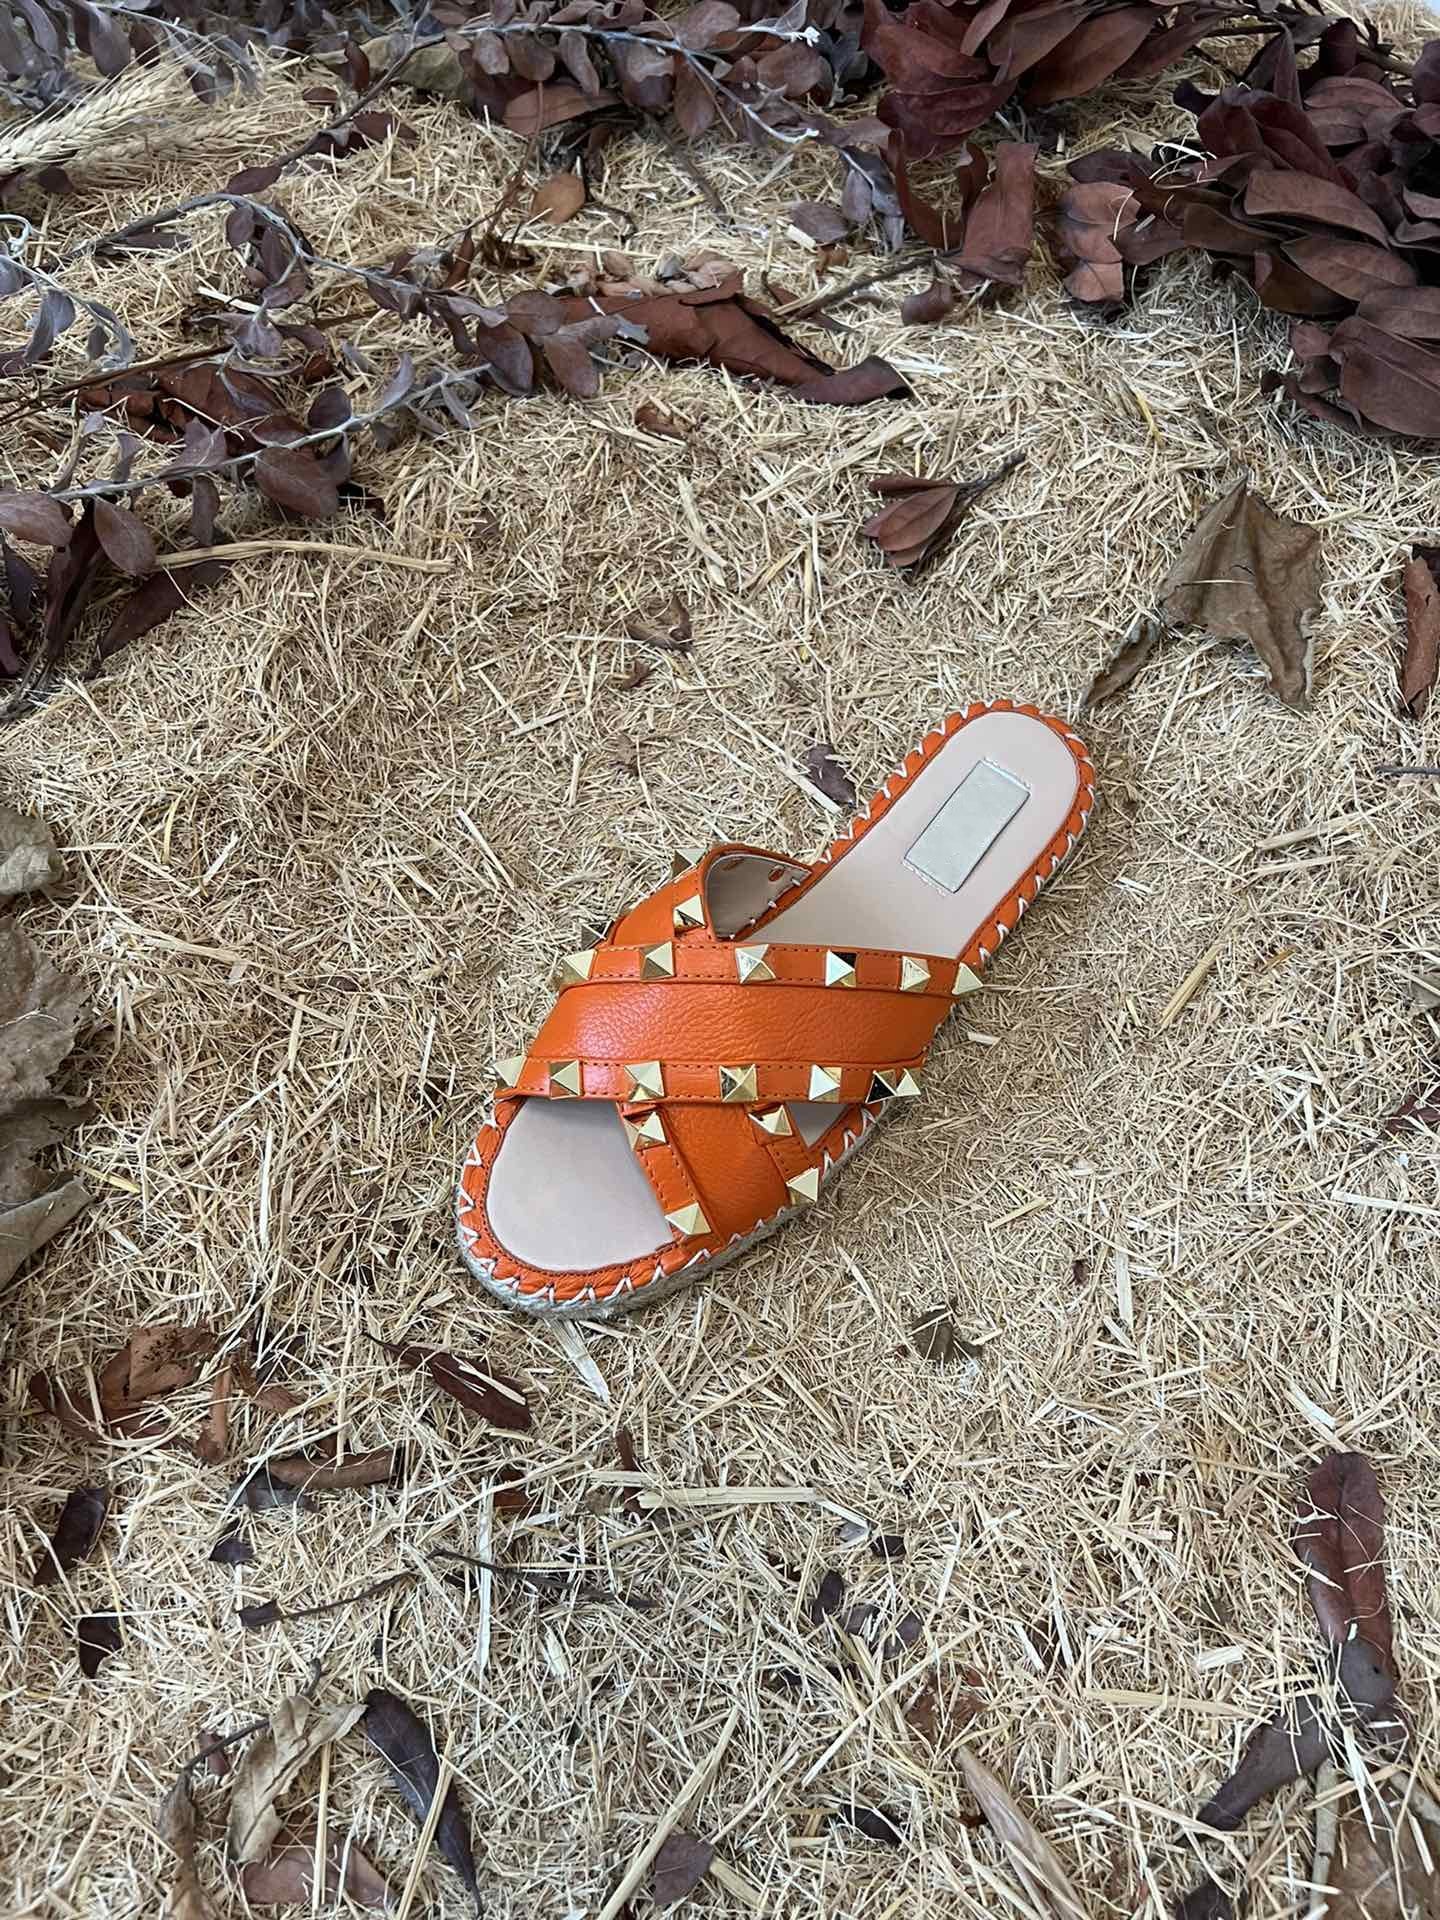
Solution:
(736, 1036)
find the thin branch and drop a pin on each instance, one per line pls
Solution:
(273, 1611)
(552, 1586)
(892, 270)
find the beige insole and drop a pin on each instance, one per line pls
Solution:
(567, 1194)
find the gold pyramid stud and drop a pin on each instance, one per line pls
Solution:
(776, 1122)
(966, 981)
(574, 969)
(688, 913)
(658, 963)
(565, 1080)
(805, 1187)
(898, 1083)
(649, 1132)
(647, 1079)
(510, 1069)
(824, 1083)
(839, 969)
(737, 1084)
(684, 860)
(914, 975)
(689, 1220)
(751, 964)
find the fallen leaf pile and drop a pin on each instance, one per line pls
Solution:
(1245, 573)
(953, 64)
(40, 1012)
(1321, 185)
(702, 67)
(277, 1853)
(121, 1398)
(923, 513)
(105, 546)
(718, 324)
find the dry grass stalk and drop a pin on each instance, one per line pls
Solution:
(326, 836)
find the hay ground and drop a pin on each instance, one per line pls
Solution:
(324, 837)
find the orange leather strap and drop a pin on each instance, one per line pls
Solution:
(621, 1036)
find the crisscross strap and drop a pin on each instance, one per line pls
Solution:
(697, 1019)
(702, 1041)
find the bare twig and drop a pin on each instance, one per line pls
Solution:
(892, 270)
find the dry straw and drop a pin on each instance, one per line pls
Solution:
(327, 833)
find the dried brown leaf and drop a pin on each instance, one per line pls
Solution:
(263, 1613)
(1379, 1871)
(1030, 1852)
(162, 1359)
(40, 1011)
(823, 768)
(28, 857)
(717, 323)
(323, 1472)
(569, 359)
(294, 479)
(1143, 635)
(819, 221)
(671, 633)
(1205, 1902)
(1000, 229)
(1089, 224)
(154, 600)
(76, 1532)
(874, 1822)
(654, 419)
(401, 1737)
(298, 1730)
(35, 517)
(939, 1706)
(551, 106)
(936, 1337)
(25, 1229)
(1246, 573)
(1340, 1539)
(1422, 631)
(125, 540)
(97, 1636)
(233, 1549)
(1275, 1754)
(681, 1864)
(498, 1400)
(828, 1597)
(153, 1363)
(286, 1877)
(868, 380)
(185, 1898)
(916, 524)
(558, 199)
(931, 304)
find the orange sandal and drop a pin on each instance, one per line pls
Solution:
(733, 1040)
